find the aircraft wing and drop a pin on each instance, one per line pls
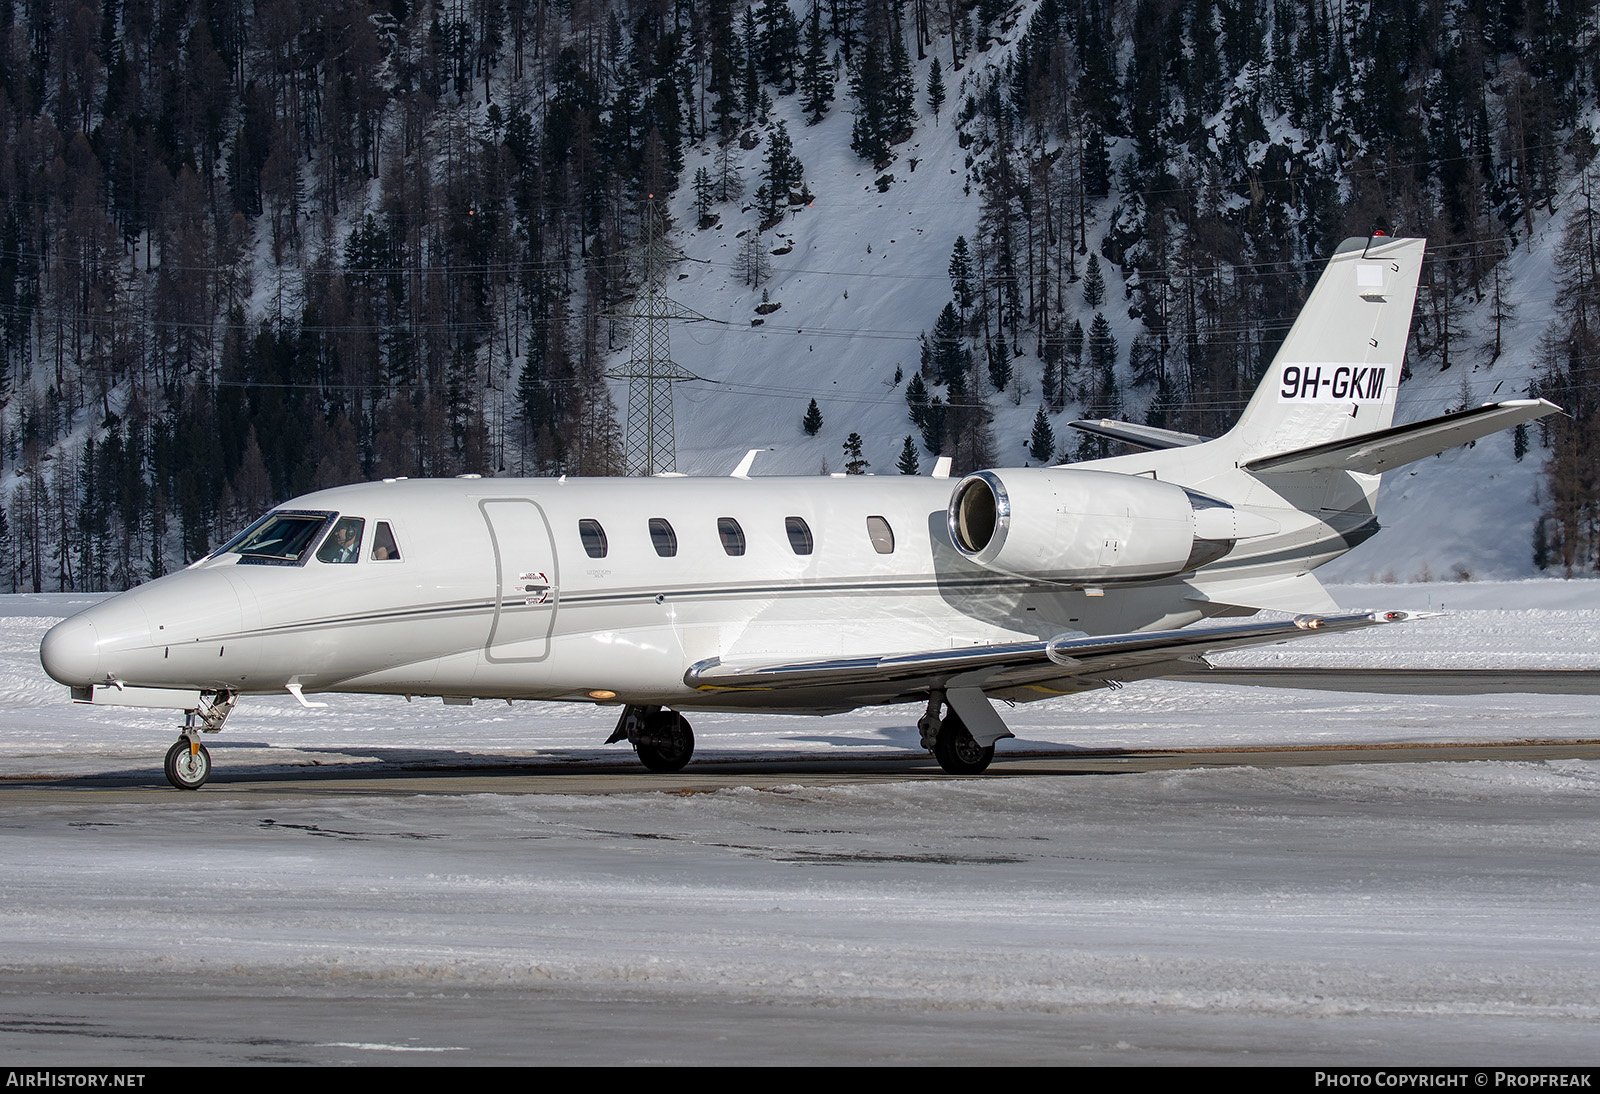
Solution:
(1018, 670)
(1388, 681)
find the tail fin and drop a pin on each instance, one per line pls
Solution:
(1337, 374)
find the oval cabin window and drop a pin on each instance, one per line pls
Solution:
(799, 535)
(593, 537)
(663, 537)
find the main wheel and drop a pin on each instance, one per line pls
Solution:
(957, 752)
(188, 769)
(667, 742)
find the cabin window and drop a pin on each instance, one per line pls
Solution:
(384, 548)
(594, 538)
(732, 535)
(343, 544)
(799, 535)
(279, 539)
(664, 538)
(881, 534)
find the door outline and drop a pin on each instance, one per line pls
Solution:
(527, 586)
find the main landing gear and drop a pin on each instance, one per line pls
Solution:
(947, 737)
(188, 763)
(661, 737)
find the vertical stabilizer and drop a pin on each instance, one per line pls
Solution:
(1338, 372)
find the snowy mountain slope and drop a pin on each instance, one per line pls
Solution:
(863, 272)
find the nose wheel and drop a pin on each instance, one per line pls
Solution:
(188, 764)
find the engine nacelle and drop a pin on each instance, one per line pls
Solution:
(1076, 526)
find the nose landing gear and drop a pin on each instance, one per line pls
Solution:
(188, 764)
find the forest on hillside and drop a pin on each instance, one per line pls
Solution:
(249, 248)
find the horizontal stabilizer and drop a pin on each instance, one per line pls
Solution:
(1372, 453)
(1410, 681)
(1144, 436)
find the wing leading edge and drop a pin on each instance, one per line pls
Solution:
(1019, 670)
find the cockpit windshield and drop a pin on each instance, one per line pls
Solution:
(283, 538)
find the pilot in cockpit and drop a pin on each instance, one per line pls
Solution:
(344, 545)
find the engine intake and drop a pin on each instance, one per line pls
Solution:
(1076, 526)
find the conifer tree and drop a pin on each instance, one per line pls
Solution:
(1102, 346)
(750, 84)
(999, 364)
(1072, 364)
(909, 463)
(933, 425)
(961, 285)
(1096, 163)
(813, 419)
(724, 66)
(778, 43)
(783, 172)
(854, 462)
(703, 195)
(916, 398)
(946, 353)
(1042, 442)
(902, 90)
(1094, 284)
(935, 89)
(816, 74)
(869, 86)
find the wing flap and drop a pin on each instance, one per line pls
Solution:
(1099, 657)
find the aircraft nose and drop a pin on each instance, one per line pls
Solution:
(70, 652)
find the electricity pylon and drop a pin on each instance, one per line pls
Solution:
(650, 370)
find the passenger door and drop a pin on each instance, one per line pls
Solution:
(527, 582)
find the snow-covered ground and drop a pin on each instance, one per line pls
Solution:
(1393, 913)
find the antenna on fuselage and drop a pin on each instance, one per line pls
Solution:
(650, 371)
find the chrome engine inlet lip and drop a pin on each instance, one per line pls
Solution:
(1002, 515)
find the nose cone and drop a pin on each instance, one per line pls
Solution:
(70, 652)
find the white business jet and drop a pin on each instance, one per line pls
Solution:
(803, 595)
